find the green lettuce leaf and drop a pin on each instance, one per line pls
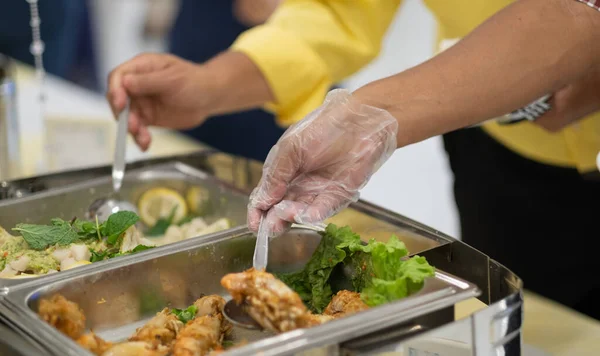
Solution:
(381, 272)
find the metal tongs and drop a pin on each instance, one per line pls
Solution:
(104, 207)
(235, 312)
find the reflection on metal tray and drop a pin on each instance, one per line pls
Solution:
(116, 298)
(15, 342)
(74, 200)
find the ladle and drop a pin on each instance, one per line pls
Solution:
(104, 207)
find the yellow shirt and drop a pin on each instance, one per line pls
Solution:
(307, 45)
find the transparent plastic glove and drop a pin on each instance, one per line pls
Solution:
(319, 164)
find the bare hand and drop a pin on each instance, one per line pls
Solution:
(164, 91)
(572, 103)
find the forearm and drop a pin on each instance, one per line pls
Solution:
(237, 83)
(531, 48)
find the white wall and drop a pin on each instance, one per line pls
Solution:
(415, 182)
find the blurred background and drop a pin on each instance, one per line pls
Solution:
(86, 39)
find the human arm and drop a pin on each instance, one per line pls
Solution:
(288, 64)
(528, 49)
(489, 73)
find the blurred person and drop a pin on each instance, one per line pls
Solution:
(60, 29)
(522, 190)
(249, 133)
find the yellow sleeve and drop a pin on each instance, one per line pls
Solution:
(308, 45)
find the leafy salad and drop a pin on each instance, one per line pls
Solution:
(381, 272)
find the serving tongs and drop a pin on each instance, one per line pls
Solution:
(104, 207)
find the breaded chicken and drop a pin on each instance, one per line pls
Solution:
(94, 344)
(274, 305)
(64, 315)
(162, 329)
(344, 303)
(137, 348)
(206, 331)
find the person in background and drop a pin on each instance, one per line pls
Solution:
(60, 29)
(522, 190)
(248, 133)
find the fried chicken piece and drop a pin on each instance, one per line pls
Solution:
(344, 303)
(94, 344)
(206, 331)
(274, 305)
(160, 330)
(137, 348)
(64, 315)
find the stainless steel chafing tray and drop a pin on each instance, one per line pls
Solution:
(120, 296)
(73, 200)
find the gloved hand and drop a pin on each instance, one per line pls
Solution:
(319, 164)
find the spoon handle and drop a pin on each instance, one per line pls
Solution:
(261, 250)
(119, 164)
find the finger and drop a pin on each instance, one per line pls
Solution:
(144, 63)
(274, 225)
(280, 168)
(147, 83)
(323, 207)
(143, 138)
(253, 218)
(290, 207)
(139, 131)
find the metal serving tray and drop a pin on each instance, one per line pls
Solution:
(119, 297)
(74, 200)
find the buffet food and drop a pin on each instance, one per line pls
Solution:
(381, 273)
(32, 250)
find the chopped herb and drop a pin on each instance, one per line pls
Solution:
(185, 315)
(186, 220)
(97, 256)
(162, 224)
(103, 255)
(117, 224)
(227, 344)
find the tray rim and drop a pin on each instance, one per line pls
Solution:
(180, 167)
(169, 167)
(384, 316)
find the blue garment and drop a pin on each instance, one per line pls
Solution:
(59, 30)
(203, 29)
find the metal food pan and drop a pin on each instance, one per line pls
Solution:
(225, 201)
(119, 297)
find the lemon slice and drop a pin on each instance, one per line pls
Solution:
(198, 200)
(77, 264)
(159, 203)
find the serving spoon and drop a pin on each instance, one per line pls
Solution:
(104, 207)
(235, 312)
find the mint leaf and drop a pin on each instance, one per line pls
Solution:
(117, 224)
(97, 256)
(185, 315)
(162, 224)
(40, 237)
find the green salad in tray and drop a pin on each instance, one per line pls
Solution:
(381, 272)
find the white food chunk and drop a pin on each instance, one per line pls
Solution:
(173, 234)
(62, 254)
(134, 238)
(80, 252)
(66, 263)
(194, 228)
(20, 264)
(8, 272)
